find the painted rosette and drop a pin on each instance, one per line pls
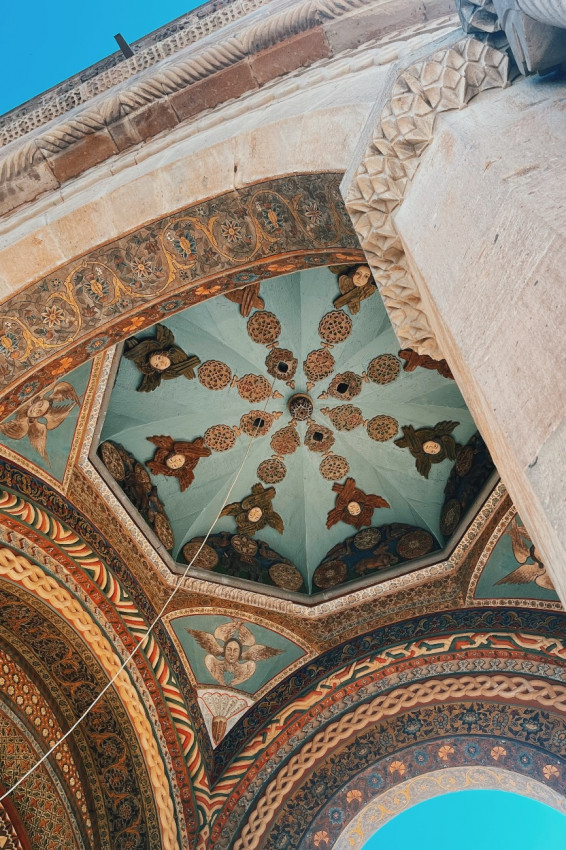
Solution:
(330, 574)
(214, 375)
(271, 471)
(382, 428)
(383, 369)
(264, 327)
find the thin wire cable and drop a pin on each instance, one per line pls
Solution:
(151, 627)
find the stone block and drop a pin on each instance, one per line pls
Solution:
(26, 187)
(82, 155)
(208, 93)
(143, 124)
(297, 52)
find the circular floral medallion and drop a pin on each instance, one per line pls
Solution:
(264, 327)
(300, 406)
(367, 538)
(254, 388)
(162, 528)
(112, 460)
(318, 438)
(206, 558)
(281, 364)
(286, 576)
(244, 545)
(415, 544)
(334, 467)
(330, 574)
(220, 438)
(345, 386)
(383, 369)
(319, 364)
(450, 517)
(345, 418)
(285, 441)
(464, 460)
(256, 423)
(271, 471)
(214, 375)
(335, 327)
(382, 428)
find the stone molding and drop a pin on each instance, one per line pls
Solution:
(35, 133)
(444, 80)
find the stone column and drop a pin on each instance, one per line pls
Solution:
(484, 230)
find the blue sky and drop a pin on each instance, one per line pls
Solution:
(474, 820)
(48, 42)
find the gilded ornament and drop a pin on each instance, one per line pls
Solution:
(247, 297)
(113, 461)
(214, 375)
(285, 441)
(318, 438)
(163, 530)
(271, 471)
(344, 386)
(244, 545)
(256, 423)
(300, 407)
(429, 445)
(355, 286)
(177, 458)
(255, 511)
(415, 544)
(220, 438)
(367, 538)
(425, 361)
(335, 327)
(353, 506)
(286, 576)
(344, 418)
(330, 574)
(332, 467)
(264, 327)
(319, 364)
(383, 369)
(204, 556)
(382, 428)
(159, 359)
(253, 388)
(281, 364)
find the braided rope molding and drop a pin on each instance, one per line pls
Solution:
(142, 82)
(23, 573)
(502, 688)
(446, 79)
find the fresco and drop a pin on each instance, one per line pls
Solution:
(43, 429)
(515, 569)
(234, 654)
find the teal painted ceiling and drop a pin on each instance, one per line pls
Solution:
(348, 361)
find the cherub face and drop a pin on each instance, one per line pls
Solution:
(255, 514)
(38, 408)
(354, 508)
(175, 461)
(431, 447)
(232, 651)
(159, 361)
(361, 276)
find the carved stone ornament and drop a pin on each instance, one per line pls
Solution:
(447, 79)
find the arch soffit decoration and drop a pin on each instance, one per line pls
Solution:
(23, 579)
(399, 693)
(64, 319)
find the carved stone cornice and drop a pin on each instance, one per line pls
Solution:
(203, 45)
(446, 79)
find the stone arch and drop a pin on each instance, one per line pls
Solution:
(388, 804)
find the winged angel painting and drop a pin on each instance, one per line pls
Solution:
(232, 652)
(43, 413)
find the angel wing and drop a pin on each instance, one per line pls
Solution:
(231, 510)
(445, 427)
(194, 449)
(449, 444)
(150, 381)
(140, 349)
(521, 549)
(186, 477)
(64, 391)
(259, 652)
(274, 520)
(423, 464)
(522, 575)
(181, 364)
(164, 336)
(409, 440)
(162, 442)
(37, 433)
(207, 641)
(18, 427)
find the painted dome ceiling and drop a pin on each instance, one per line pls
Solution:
(350, 458)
